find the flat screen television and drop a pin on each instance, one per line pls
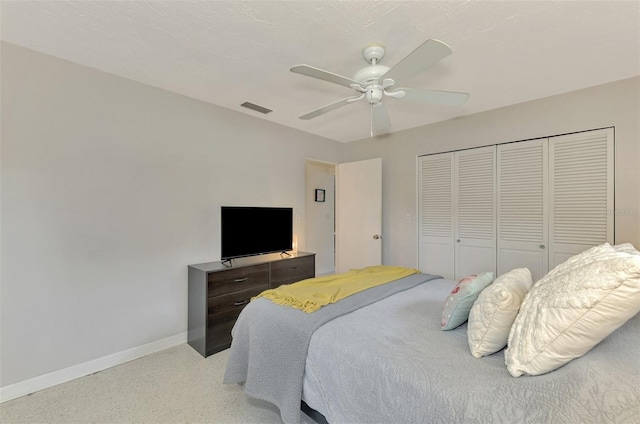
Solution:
(248, 230)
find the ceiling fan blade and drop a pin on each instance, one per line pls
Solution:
(379, 118)
(428, 53)
(310, 71)
(329, 108)
(452, 98)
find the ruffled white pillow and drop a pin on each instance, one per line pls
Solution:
(573, 308)
(494, 311)
(626, 248)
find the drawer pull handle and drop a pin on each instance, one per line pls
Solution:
(293, 268)
(244, 302)
(240, 280)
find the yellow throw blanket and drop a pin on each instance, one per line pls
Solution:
(313, 293)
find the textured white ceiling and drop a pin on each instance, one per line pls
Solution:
(226, 53)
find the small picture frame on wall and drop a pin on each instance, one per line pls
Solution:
(319, 195)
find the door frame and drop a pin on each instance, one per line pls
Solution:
(311, 224)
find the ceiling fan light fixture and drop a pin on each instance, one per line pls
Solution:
(374, 94)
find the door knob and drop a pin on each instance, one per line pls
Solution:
(542, 246)
(377, 236)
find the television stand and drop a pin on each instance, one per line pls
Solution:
(218, 291)
(285, 253)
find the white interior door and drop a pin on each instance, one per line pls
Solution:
(358, 214)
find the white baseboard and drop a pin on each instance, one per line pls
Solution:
(51, 379)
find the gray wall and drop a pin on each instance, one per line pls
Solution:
(110, 189)
(615, 104)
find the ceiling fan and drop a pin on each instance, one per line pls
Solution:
(374, 82)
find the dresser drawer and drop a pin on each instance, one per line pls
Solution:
(250, 277)
(219, 336)
(222, 313)
(228, 306)
(291, 270)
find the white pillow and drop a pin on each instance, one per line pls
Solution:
(495, 310)
(601, 251)
(626, 248)
(571, 309)
(459, 302)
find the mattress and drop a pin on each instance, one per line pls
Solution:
(390, 362)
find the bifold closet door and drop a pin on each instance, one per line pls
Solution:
(457, 212)
(581, 188)
(475, 211)
(523, 222)
(435, 208)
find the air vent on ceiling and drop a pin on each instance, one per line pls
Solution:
(256, 107)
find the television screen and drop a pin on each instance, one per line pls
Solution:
(247, 231)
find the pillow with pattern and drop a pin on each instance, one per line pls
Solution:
(460, 300)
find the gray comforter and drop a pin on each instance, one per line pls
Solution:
(389, 362)
(270, 343)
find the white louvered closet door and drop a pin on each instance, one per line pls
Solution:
(475, 211)
(580, 193)
(522, 204)
(435, 208)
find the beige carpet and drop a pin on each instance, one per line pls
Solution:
(176, 385)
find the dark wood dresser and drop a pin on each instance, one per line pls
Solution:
(218, 292)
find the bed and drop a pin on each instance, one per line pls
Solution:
(384, 358)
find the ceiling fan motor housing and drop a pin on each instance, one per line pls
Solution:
(370, 74)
